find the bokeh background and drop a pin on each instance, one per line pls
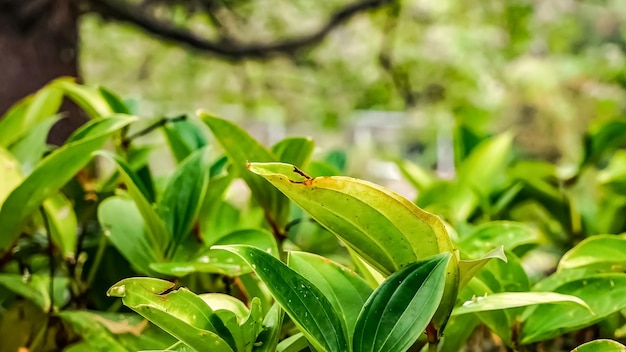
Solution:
(392, 78)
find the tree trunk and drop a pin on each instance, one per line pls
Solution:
(38, 42)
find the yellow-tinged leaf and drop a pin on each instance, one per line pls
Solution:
(10, 174)
(385, 229)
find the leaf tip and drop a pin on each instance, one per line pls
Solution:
(117, 291)
(499, 254)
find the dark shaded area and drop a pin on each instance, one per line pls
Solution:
(38, 41)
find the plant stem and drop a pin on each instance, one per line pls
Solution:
(46, 224)
(97, 260)
(8, 255)
(159, 123)
(433, 337)
(432, 347)
(278, 235)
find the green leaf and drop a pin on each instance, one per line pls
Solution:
(217, 217)
(122, 332)
(604, 293)
(604, 139)
(602, 250)
(10, 174)
(93, 128)
(184, 195)
(220, 301)
(88, 99)
(458, 332)
(549, 196)
(123, 225)
(244, 324)
(345, 290)
(180, 312)
(252, 326)
(183, 137)
(563, 277)
(51, 174)
(28, 113)
(294, 343)
(134, 184)
(372, 276)
(63, 224)
(20, 322)
(386, 229)
(338, 158)
(116, 104)
(30, 149)
(222, 262)
(509, 234)
(310, 310)
(613, 176)
(469, 268)
(96, 336)
(138, 156)
(505, 300)
(258, 238)
(157, 234)
(509, 276)
(483, 169)
(456, 201)
(241, 148)
(498, 276)
(500, 322)
(267, 340)
(36, 288)
(397, 313)
(506, 198)
(294, 150)
(420, 178)
(318, 168)
(219, 167)
(11, 122)
(602, 345)
(308, 236)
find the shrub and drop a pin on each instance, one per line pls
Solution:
(311, 260)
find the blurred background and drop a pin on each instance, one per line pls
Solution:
(382, 77)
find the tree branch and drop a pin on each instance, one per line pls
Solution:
(399, 78)
(231, 48)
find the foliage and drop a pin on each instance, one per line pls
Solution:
(244, 247)
(549, 68)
